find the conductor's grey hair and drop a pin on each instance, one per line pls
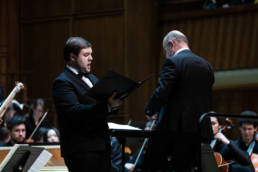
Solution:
(176, 36)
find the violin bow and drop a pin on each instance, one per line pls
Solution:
(143, 145)
(45, 114)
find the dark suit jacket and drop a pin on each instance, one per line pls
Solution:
(183, 92)
(82, 120)
(182, 96)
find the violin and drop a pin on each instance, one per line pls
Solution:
(29, 141)
(222, 164)
(253, 156)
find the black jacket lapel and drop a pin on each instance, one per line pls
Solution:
(75, 79)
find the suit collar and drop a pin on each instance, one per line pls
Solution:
(72, 69)
(75, 78)
(182, 49)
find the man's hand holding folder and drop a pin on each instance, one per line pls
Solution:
(114, 102)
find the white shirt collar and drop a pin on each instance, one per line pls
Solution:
(182, 49)
(72, 69)
(85, 80)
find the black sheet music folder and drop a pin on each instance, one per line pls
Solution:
(114, 82)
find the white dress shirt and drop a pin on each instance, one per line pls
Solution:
(85, 79)
(182, 49)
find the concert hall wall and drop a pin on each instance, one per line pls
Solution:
(127, 37)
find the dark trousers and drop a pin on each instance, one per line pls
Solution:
(180, 154)
(95, 161)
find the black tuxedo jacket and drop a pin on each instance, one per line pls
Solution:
(183, 93)
(82, 120)
(181, 97)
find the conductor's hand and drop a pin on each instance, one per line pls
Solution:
(129, 167)
(153, 117)
(115, 102)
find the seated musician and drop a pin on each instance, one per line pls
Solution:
(13, 108)
(235, 151)
(36, 112)
(216, 127)
(51, 135)
(17, 130)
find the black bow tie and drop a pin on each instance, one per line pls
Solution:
(81, 74)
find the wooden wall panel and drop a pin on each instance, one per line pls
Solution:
(254, 42)
(229, 31)
(41, 9)
(13, 60)
(235, 101)
(106, 35)
(9, 45)
(42, 54)
(3, 43)
(141, 52)
(97, 5)
(3, 22)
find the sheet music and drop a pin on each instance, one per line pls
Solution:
(54, 169)
(42, 159)
(112, 125)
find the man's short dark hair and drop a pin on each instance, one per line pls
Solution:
(3, 133)
(74, 45)
(247, 120)
(15, 120)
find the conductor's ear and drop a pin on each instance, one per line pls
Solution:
(170, 44)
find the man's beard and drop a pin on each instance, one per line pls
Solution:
(169, 54)
(17, 141)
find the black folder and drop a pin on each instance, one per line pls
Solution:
(114, 82)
